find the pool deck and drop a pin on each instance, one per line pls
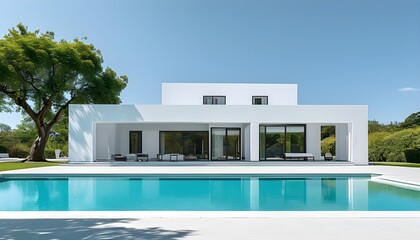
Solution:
(216, 225)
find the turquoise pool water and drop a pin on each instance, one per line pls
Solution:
(204, 193)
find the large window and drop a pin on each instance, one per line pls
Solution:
(275, 140)
(214, 100)
(259, 100)
(192, 144)
(225, 144)
(135, 142)
(295, 139)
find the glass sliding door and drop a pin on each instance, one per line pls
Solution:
(218, 143)
(171, 142)
(193, 145)
(225, 144)
(135, 142)
(295, 139)
(275, 140)
(233, 148)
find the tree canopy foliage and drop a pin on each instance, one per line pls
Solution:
(391, 142)
(5, 128)
(391, 146)
(327, 131)
(411, 121)
(41, 77)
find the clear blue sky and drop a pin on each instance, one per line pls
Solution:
(338, 51)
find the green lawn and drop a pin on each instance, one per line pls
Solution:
(396, 164)
(18, 165)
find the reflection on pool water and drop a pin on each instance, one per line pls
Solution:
(205, 193)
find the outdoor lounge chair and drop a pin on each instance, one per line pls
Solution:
(299, 156)
(119, 157)
(142, 157)
(171, 157)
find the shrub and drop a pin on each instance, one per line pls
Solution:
(3, 149)
(328, 145)
(412, 155)
(49, 153)
(19, 151)
(377, 147)
(386, 146)
(52, 146)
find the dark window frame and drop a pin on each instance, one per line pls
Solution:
(213, 100)
(285, 135)
(140, 146)
(188, 131)
(226, 131)
(255, 97)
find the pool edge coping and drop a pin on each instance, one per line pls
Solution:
(204, 214)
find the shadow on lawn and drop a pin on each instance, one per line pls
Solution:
(84, 229)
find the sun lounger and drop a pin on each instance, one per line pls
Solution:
(142, 157)
(299, 156)
(171, 157)
(120, 158)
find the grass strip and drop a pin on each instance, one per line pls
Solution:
(396, 164)
(19, 165)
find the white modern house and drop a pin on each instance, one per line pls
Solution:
(217, 122)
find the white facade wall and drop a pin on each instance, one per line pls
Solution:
(342, 141)
(247, 141)
(84, 119)
(236, 94)
(313, 139)
(254, 137)
(105, 140)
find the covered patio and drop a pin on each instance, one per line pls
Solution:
(215, 142)
(214, 133)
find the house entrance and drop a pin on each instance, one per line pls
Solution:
(225, 144)
(275, 140)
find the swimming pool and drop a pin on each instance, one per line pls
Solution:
(205, 193)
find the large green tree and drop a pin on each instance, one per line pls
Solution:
(41, 77)
(411, 121)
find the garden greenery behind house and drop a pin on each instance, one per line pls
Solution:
(18, 142)
(393, 142)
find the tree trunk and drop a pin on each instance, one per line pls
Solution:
(37, 150)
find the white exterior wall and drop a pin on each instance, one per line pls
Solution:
(236, 94)
(342, 141)
(247, 142)
(83, 119)
(105, 140)
(313, 139)
(254, 136)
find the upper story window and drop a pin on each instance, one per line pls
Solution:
(214, 100)
(259, 100)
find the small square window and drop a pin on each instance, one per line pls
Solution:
(214, 100)
(259, 100)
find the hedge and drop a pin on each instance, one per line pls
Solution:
(391, 146)
(328, 145)
(412, 155)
